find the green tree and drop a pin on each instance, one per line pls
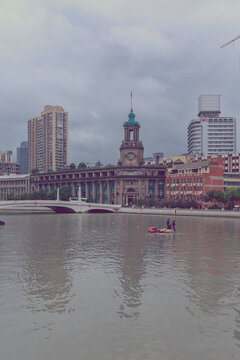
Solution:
(218, 198)
(38, 195)
(65, 192)
(82, 165)
(52, 195)
(72, 166)
(232, 194)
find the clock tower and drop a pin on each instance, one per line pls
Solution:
(131, 150)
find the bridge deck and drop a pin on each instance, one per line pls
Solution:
(58, 206)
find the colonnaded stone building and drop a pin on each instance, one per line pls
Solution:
(124, 183)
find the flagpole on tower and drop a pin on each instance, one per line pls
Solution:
(131, 101)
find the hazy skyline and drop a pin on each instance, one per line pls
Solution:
(87, 56)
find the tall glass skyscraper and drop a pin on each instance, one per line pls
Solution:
(22, 157)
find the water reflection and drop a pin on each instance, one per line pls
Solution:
(113, 244)
(132, 268)
(236, 332)
(205, 263)
(46, 267)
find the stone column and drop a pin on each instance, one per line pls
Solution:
(94, 190)
(116, 198)
(101, 192)
(155, 190)
(79, 192)
(87, 192)
(73, 189)
(121, 192)
(125, 134)
(135, 134)
(146, 188)
(108, 192)
(139, 189)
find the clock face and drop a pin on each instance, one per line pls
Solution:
(130, 156)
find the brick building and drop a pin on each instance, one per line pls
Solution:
(192, 180)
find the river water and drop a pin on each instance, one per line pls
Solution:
(100, 287)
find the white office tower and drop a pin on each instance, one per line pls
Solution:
(211, 134)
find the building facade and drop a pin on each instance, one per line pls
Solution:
(123, 184)
(14, 185)
(48, 140)
(6, 156)
(32, 143)
(192, 180)
(211, 134)
(8, 168)
(231, 170)
(22, 157)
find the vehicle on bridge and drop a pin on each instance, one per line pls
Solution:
(75, 198)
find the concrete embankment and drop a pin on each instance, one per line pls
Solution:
(134, 210)
(24, 210)
(181, 212)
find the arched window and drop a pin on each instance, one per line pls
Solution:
(130, 190)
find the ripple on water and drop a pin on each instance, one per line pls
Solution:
(100, 286)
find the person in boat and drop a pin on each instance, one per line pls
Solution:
(169, 226)
(174, 225)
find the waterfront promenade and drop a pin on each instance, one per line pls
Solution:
(134, 210)
(181, 212)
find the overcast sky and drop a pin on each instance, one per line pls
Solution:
(87, 56)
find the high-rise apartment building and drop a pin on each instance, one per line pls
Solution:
(211, 134)
(6, 156)
(32, 143)
(48, 139)
(22, 157)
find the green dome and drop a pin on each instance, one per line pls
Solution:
(131, 118)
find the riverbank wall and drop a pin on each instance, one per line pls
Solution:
(135, 210)
(181, 212)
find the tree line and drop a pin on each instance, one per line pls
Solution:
(226, 199)
(65, 192)
(183, 204)
(72, 166)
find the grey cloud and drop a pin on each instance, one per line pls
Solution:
(88, 62)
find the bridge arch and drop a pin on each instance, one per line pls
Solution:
(94, 211)
(61, 209)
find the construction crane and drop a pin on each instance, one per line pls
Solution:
(229, 42)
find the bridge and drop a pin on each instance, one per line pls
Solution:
(59, 206)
